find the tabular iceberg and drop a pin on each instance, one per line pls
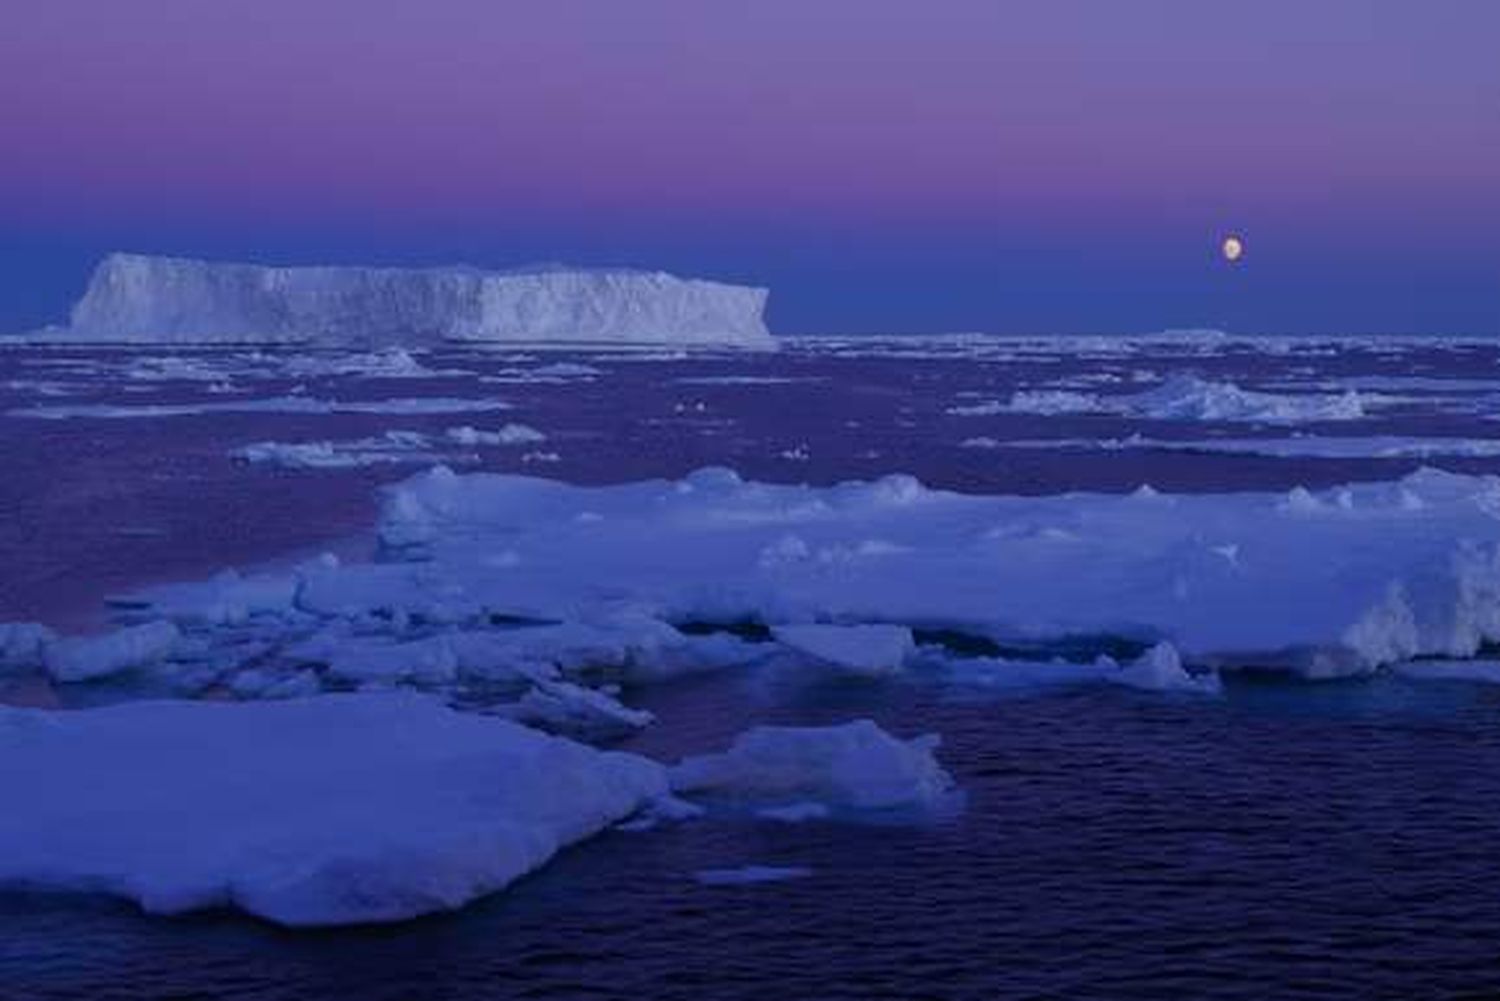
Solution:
(134, 298)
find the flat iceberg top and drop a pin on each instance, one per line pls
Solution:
(134, 298)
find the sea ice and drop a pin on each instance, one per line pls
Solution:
(390, 447)
(1299, 446)
(22, 645)
(871, 650)
(331, 810)
(574, 710)
(503, 579)
(1160, 670)
(510, 434)
(855, 766)
(305, 405)
(1269, 579)
(1182, 398)
(86, 658)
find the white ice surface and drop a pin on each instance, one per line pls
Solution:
(377, 450)
(1342, 580)
(856, 766)
(409, 447)
(1301, 446)
(331, 810)
(1159, 669)
(86, 658)
(1182, 398)
(139, 299)
(509, 434)
(304, 405)
(873, 649)
(588, 713)
(590, 579)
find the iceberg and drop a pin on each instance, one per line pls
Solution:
(134, 298)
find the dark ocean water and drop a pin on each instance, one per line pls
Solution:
(1288, 841)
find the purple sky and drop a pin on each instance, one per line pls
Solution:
(881, 164)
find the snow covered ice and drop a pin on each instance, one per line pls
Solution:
(334, 810)
(859, 579)
(856, 766)
(345, 809)
(1182, 398)
(84, 658)
(140, 299)
(1289, 580)
(544, 608)
(863, 650)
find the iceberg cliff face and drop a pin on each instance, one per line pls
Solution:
(139, 299)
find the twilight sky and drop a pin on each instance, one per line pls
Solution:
(882, 165)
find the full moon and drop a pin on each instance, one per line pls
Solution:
(1233, 247)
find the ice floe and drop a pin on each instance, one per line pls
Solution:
(1158, 669)
(854, 766)
(1277, 579)
(492, 579)
(358, 808)
(273, 405)
(86, 658)
(1301, 446)
(509, 434)
(390, 447)
(1183, 398)
(333, 810)
(873, 649)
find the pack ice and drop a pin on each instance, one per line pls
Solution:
(133, 298)
(853, 577)
(343, 808)
(1326, 583)
(1183, 398)
(359, 808)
